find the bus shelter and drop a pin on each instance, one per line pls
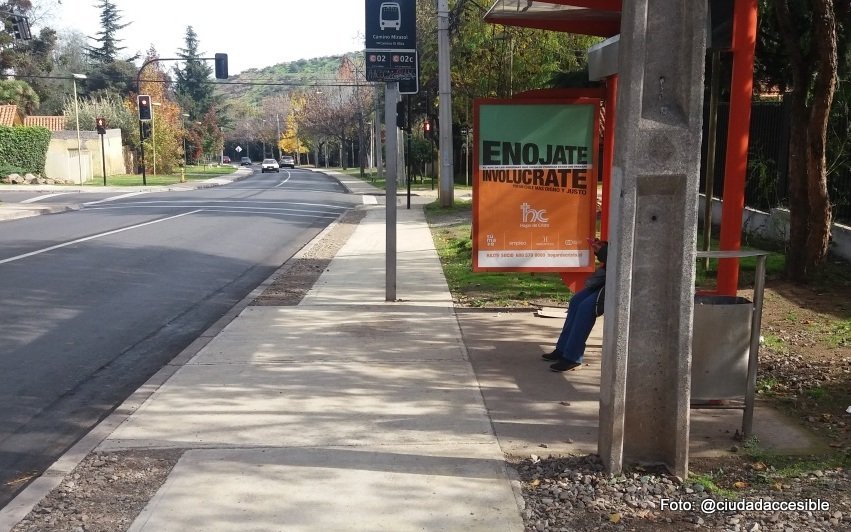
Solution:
(733, 27)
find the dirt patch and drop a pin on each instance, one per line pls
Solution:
(293, 282)
(104, 493)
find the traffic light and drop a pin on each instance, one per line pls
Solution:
(146, 130)
(401, 116)
(144, 102)
(221, 66)
(20, 27)
(100, 125)
(427, 128)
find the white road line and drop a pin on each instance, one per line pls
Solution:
(184, 202)
(369, 200)
(99, 235)
(232, 208)
(42, 197)
(113, 198)
(289, 175)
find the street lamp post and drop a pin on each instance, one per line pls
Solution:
(77, 113)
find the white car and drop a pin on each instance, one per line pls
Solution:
(269, 165)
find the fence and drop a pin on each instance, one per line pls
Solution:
(766, 185)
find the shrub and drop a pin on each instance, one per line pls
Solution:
(24, 148)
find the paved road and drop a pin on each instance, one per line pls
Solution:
(96, 301)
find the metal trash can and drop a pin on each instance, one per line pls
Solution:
(720, 348)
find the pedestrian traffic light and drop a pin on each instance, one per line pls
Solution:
(144, 102)
(20, 27)
(221, 66)
(100, 125)
(401, 116)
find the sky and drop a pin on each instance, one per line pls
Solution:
(254, 33)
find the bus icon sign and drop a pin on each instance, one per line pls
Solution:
(390, 16)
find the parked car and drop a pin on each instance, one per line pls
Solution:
(287, 161)
(269, 165)
(225, 159)
(245, 161)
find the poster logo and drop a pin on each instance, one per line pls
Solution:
(532, 216)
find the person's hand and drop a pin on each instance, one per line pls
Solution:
(596, 244)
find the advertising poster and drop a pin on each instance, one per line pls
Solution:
(535, 184)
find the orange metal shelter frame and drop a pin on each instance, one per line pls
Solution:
(596, 19)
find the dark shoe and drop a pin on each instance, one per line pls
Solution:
(564, 365)
(555, 355)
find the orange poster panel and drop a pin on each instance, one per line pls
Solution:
(535, 184)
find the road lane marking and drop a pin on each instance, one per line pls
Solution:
(232, 208)
(369, 200)
(289, 175)
(209, 202)
(99, 235)
(42, 197)
(120, 196)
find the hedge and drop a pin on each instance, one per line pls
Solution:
(24, 147)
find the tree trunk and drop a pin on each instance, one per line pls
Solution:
(814, 74)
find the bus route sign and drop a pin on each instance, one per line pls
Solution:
(391, 42)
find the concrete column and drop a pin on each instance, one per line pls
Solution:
(644, 396)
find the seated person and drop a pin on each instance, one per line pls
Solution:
(582, 312)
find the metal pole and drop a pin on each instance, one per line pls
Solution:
(446, 166)
(278, 140)
(709, 156)
(753, 358)
(153, 139)
(391, 92)
(103, 158)
(408, 165)
(142, 146)
(79, 144)
(379, 156)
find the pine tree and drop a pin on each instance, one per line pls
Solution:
(110, 22)
(192, 86)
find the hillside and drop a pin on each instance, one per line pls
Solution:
(254, 85)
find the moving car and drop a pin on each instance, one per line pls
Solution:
(245, 161)
(287, 161)
(225, 159)
(269, 165)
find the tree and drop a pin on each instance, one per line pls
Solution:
(192, 86)
(107, 39)
(16, 92)
(803, 57)
(167, 122)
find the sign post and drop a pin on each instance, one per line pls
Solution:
(391, 58)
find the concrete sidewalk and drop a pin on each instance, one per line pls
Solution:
(347, 412)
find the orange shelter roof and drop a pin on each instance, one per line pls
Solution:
(585, 17)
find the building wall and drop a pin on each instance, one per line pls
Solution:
(62, 155)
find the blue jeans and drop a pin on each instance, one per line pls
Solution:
(581, 315)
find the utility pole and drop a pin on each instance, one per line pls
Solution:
(446, 167)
